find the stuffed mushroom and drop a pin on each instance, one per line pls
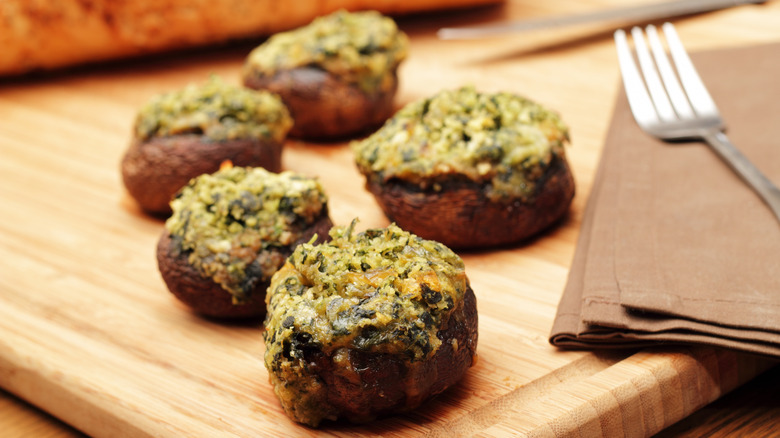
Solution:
(337, 75)
(470, 169)
(231, 231)
(185, 133)
(367, 325)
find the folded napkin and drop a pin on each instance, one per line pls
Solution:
(674, 246)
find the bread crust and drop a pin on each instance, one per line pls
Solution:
(208, 298)
(154, 170)
(52, 34)
(322, 105)
(460, 215)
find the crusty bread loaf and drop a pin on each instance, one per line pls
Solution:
(44, 34)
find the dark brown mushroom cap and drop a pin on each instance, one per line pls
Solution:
(324, 106)
(154, 170)
(460, 215)
(206, 297)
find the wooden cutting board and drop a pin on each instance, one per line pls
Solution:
(89, 333)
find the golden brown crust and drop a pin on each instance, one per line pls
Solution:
(322, 105)
(206, 297)
(50, 34)
(379, 384)
(154, 170)
(461, 216)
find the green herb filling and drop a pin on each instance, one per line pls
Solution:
(234, 222)
(216, 110)
(502, 139)
(361, 47)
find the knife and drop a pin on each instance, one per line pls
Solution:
(647, 12)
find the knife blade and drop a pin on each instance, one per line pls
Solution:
(647, 12)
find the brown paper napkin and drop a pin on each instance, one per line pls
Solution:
(674, 246)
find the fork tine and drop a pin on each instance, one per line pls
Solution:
(638, 99)
(652, 81)
(673, 89)
(697, 93)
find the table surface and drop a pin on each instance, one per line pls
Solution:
(572, 70)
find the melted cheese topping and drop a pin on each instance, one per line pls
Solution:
(234, 222)
(361, 47)
(216, 110)
(503, 140)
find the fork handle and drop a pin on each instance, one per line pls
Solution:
(745, 169)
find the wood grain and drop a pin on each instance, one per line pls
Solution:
(89, 333)
(751, 410)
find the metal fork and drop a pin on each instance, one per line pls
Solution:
(672, 114)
